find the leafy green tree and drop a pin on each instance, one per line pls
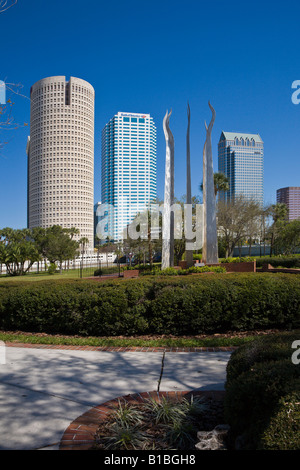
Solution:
(20, 249)
(39, 236)
(105, 248)
(279, 214)
(58, 246)
(288, 238)
(17, 251)
(234, 219)
(143, 249)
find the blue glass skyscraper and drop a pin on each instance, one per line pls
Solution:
(128, 180)
(241, 159)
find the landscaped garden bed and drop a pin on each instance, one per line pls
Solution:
(161, 425)
(147, 421)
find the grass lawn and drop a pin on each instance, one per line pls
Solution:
(44, 276)
(226, 340)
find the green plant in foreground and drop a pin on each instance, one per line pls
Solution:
(52, 269)
(193, 407)
(165, 411)
(126, 415)
(124, 437)
(181, 434)
(262, 395)
(284, 422)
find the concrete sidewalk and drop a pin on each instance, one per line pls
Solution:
(43, 390)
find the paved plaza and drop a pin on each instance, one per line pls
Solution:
(43, 390)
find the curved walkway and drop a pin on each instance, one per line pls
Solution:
(43, 389)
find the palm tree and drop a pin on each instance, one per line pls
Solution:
(72, 232)
(221, 183)
(279, 213)
(83, 242)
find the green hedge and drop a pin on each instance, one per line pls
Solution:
(182, 272)
(292, 261)
(188, 305)
(280, 261)
(283, 431)
(245, 259)
(263, 394)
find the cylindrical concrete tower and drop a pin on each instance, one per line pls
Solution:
(60, 153)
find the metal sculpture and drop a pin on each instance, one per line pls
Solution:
(168, 214)
(188, 253)
(210, 244)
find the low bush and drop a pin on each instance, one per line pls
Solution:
(205, 269)
(156, 271)
(52, 269)
(280, 261)
(283, 432)
(246, 259)
(267, 348)
(98, 272)
(177, 305)
(262, 395)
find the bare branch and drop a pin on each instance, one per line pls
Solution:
(6, 4)
(14, 88)
(6, 118)
(7, 122)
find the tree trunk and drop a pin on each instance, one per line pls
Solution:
(272, 245)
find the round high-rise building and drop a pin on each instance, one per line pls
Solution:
(60, 153)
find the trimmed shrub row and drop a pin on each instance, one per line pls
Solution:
(280, 261)
(182, 272)
(245, 259)
(262, 402)
(276, 261)
(187, 305)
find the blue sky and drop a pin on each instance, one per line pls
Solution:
(149, 57)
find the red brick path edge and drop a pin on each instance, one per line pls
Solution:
(116, 349)
(80, 434)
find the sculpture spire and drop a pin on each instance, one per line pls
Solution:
(168, 214)
(210, 247)
(188, 253)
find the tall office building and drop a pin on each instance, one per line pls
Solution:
(291, 197)
(241, 159)
(128, 181)
(60, 153)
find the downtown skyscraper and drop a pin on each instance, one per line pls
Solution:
(60, 153)
(128, 167)
(241, 159)
(291, 197)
